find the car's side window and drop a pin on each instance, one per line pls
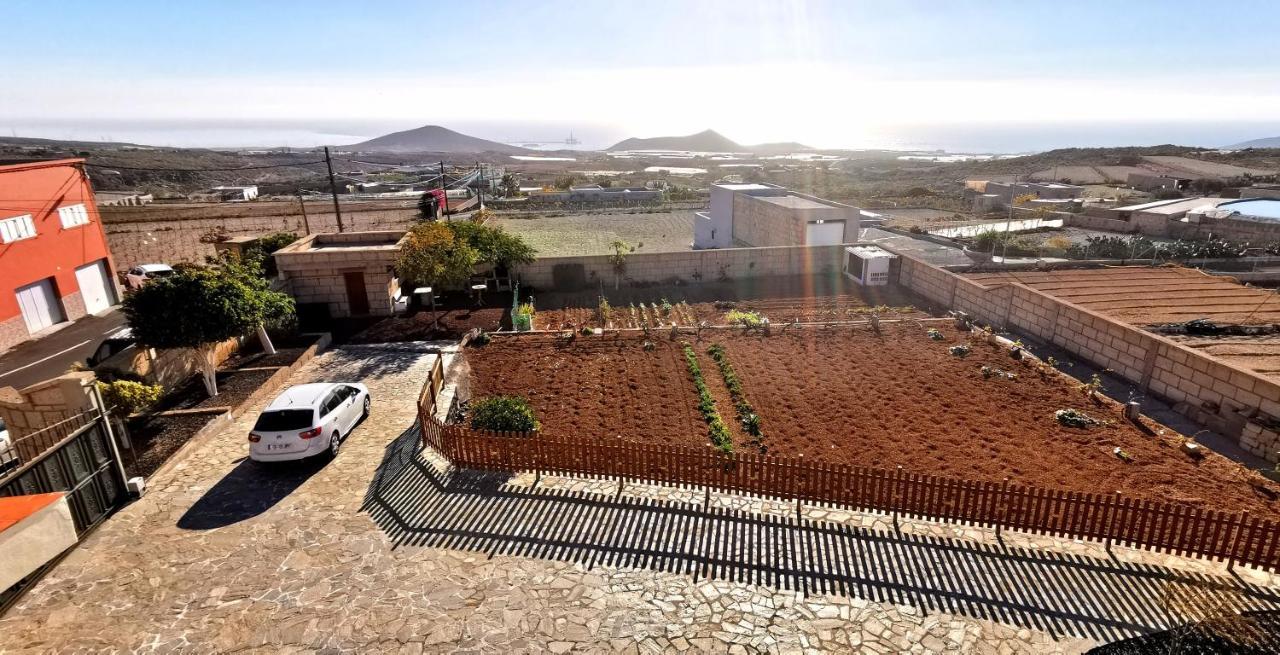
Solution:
(330, 403)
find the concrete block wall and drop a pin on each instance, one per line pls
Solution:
(692, 265)
(171, 233)
(1228, 399)
(41, 405)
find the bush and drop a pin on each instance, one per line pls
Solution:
(125, 397)
(746, 319)
(503, 414)
(960, 351)
(1074, 418)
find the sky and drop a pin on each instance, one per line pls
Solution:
(898, 73)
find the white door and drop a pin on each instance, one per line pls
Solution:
(824, 234)
(95, 290)
(39, 305)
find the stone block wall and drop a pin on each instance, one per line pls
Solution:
(692, 265)
(1226, 398)
(1260, 441)
(41, 405)
(168, 234)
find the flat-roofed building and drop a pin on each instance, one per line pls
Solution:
(767, 215)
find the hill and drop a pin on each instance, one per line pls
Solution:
(433, 138)
(1271, 142)
(704, 141)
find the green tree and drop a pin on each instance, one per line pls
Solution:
(433, 255)
(510, 186)
(199, 307)
(493, 245)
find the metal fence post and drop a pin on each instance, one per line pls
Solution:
(111, 437)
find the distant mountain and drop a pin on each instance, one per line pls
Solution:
(705, 141)
(433, 138)
(1272, 142)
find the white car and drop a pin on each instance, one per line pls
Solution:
(307, 420)
(139, 275)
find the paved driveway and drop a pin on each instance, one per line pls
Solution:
(384, 550)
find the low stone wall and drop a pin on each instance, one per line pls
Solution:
(170, 233)
(1208, 390)
(689, 266)
(41, 405)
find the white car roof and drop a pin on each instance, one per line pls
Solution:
(154, 268)
(302, 396)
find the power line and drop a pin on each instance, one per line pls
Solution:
(202, 170)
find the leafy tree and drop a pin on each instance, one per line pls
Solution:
(260, 251)
(433, 255)
(510, 186)
(199, 307)
(494, 245)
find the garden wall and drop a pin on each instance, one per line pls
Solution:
(172, 233)
(690, 265)
(1205, 389)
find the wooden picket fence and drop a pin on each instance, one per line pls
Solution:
(1164, 527)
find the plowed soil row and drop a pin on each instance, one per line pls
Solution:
(835, 395)
(1151, 295)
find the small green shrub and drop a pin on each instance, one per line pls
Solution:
(960, 351)
(666, 307)
(481, 339)
(125, 397)
(1074, 418)
(745, 319)
(935, 335)
(503, 414)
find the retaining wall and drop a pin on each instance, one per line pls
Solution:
(1207, 390)
(691, 265)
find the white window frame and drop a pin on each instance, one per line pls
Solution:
(17, 228)
(73, 215)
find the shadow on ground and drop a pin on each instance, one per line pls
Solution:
(247, 491)
(1061, 594)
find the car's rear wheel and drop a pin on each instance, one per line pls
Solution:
(335, 444)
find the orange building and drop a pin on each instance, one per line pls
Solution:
(54, 262)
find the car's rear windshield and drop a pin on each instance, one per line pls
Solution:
(283, 419)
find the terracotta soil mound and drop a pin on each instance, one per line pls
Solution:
(846, 396)
(1144, 295)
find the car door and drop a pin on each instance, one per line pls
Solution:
(350, 410)
(330, 413)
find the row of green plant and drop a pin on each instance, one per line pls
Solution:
(744, 318)
(746, 413)
(716, 429)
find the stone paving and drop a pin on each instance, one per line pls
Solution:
(387, 549)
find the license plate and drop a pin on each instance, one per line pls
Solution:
(278, 446)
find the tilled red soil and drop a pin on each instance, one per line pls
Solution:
(419, 326)
(833, 395)
(600, 386)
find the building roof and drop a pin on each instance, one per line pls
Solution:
(44, 163)
(745, 187)
(793, 202)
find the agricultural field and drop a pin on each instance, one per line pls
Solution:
(1143, 295)
(1260, 354)
(590, 233)
(1076, 175)
(1208, 168)
(848, 395)
(781, 300)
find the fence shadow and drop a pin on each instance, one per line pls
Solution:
(416, 504)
